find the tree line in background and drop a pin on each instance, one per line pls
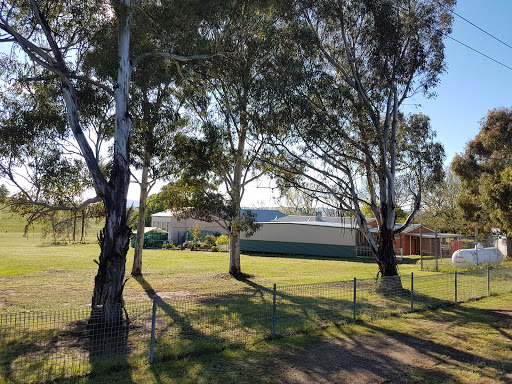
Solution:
(212, 96)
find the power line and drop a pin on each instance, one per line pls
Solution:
(479, 28)
(477, 51)
(469, 47)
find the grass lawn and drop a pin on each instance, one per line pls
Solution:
(37, 275)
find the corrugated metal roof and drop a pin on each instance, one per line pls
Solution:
(167, 213)
(430, 235)
(265, 215)
(313, 223)
(156, 229)
(346, 221)
(262, 215)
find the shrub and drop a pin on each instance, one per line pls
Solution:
(168, 246)
(210, 239)
(195, 245)
(215, 249)
(222, 240)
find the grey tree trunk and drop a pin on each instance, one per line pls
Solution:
(107, 300)
(74, 227)
(236, 197)
(82, 237)
(139, 242)
(114, 241)
(234, 255)
(386, 254)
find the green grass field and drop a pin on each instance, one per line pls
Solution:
(37, 275)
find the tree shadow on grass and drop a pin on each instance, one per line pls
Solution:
(188, 330)
(378, 355)
(195, 333)
(46, 347)
(383, 354)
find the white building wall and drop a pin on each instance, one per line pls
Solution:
(176, 228)
(305, 233)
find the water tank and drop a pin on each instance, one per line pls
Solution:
(478, 256)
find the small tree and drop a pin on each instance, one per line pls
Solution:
(440, 210)
(4, 193)
(196, 231)
(222, 240)
(210, 239)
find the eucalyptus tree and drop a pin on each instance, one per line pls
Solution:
(155, 125)
(232, 102)
(485, 172)
(4, 193)
(362, 60)
(52, 38)
(439, 207)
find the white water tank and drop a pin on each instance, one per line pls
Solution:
(478, 256)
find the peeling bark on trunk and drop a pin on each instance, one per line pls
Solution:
(107, 324)
(107, 300)
(390, 283)
(386, 254)
(114, 240)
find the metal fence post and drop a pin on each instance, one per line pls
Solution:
(455, 287)
(153, 326)
(355, 299)
(488, 282)
(274, 314)
(412, 291)
(421, 247)
(435, 252)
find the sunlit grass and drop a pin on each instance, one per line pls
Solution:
(36, 274)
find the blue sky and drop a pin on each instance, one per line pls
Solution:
(472, 84)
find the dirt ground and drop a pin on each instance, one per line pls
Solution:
(392, 358)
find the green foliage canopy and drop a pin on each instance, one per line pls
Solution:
(485, 169)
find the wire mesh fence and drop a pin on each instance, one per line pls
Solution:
(437, 250)
(44, 346)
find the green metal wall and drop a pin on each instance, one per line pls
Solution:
(297, 248)
(152, 239)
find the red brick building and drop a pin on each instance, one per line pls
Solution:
(413, 237)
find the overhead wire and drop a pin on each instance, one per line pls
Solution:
(468, 46)
(477, 51)
(477, 27)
